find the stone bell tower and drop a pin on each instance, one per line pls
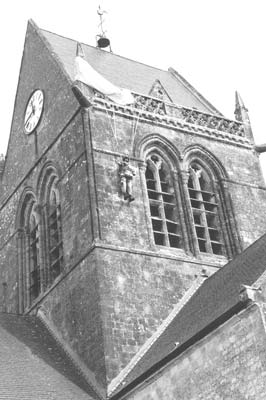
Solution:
(133, 202)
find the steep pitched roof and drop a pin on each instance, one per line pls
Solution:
(213, 300)
(33, 366)
(127, 73)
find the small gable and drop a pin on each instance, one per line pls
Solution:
(159, 92)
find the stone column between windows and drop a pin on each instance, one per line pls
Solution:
(233, 238)
(42, 247)
(186, 206)
(96, 231)
(146, 203)
(45, 256)
(181, 209)
(162, 209)
(21, 272)
(27, 269)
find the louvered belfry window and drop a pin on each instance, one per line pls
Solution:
(55, 237)
(34, 258)
(205, 211)
(163, 205)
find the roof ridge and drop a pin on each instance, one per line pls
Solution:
(147, 345)
(113, 54)
(194, 91)
(82, 368)
(243, 252)
(50, 49)
(240, 265)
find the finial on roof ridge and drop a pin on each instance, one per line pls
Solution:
(241, 112)
(79, 50)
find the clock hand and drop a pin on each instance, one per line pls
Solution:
(32, 113)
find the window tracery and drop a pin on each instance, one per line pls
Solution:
(163, 203)
(204, 205)
(188, 203)
(39, 240)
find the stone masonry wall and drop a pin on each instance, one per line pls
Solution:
(138, 291)
(74, 309)
(122, 223)
(228, 364)
(68, 156)
(39, 70)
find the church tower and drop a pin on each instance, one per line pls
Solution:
(111, 212)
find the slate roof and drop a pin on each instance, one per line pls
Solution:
(127, 73)
(214, 299)
(33, 366)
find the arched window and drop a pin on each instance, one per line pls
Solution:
(163, 203)
(29, 250)
(54, 234)
(34, 256)
(204, 204)
(48, 193)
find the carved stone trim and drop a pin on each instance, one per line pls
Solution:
(155, 109)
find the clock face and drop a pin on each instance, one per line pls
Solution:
(33, 111)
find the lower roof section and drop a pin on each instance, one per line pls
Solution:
(33, 366)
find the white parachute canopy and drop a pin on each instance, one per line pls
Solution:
(88, 75)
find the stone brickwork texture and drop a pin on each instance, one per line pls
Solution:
(228, 364)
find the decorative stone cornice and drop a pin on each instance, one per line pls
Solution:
(155, 110)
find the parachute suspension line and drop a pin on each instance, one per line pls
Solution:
(112, 122)
(134, 128)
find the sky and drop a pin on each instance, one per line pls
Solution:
(217, 45)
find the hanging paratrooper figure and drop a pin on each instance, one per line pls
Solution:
(126, 174)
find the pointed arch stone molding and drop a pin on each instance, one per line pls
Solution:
(41, 206)
(51, 227)
(205, 157)
(179, 164)
(26, 206)
(156, 141)
(25, 196)
(151, 146)
(219, 176)
(48, 170)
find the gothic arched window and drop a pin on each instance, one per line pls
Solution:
(29, 251)
(204, 205)
(54, 234)
(34, 256)
(163, 203)
(48, 193)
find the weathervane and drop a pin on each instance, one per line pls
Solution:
(102, 40)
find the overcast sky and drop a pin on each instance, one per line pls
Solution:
(217, 45)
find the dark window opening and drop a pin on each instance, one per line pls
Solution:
(174, 241)
(202, 245)
(154, 210)
(157, 225)
(170, 213)
(159, 238)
